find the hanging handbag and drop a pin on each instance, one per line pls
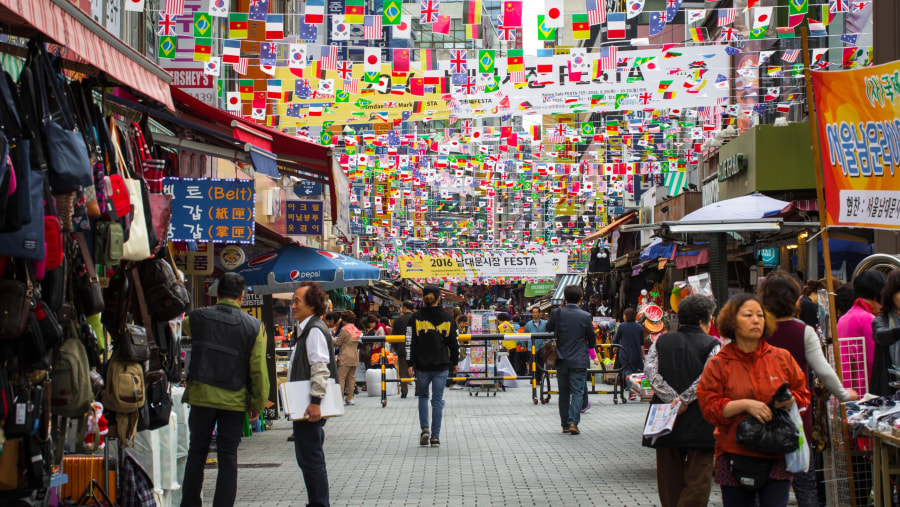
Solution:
(159, 399)
(137, 247)
(16, 301)
(133, 345)
(90, 293)
(28, 242)
(64, 146)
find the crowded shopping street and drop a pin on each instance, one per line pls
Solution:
(450, 253)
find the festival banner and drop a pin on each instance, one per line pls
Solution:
(471, 267)
(690, 75)
(858, 114)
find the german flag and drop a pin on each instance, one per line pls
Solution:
(418, 106)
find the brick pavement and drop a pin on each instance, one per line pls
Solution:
(496, 451)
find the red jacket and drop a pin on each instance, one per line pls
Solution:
(734, 375)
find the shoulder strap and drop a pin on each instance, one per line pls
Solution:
(86, 256)
(142, 303)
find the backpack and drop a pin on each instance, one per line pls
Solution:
(124, 392)
(166, 296)
(71, 394)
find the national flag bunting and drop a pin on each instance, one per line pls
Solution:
(237, 25)
(580, 27)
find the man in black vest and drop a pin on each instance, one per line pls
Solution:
(574, 331)
(685, 457)
(227, 377)
(312, 360)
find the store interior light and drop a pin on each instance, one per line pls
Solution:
(804, 235)
(791, 247)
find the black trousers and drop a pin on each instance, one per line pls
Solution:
(228, 425)
(308, 440)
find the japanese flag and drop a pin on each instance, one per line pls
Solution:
(402, 31)
(233, 101)
(372, 60)
(554, 12)
(134, 5)
(762, 16)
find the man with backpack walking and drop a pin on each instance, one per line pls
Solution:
(227, 377)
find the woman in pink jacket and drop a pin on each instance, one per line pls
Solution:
(348, 356)
(857, 322)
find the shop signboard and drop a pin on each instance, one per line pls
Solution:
(468, 266)
(538, 289)
(187, 74)
(261, 308)
(220, 211)
(305, 218)
(769, 257)
(858, 114)
(200, 262)
(308, 188)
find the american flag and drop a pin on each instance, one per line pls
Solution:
(596, 11)
(609, 58)
(726, 16)
(328, 58)
(241, 66)
(174, 7)
(372, 27)
(790, 56)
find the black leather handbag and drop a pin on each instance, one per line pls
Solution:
(133, 344)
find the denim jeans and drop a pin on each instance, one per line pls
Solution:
(308, 440)
(571, 394)
(437, 380)
(229, 425)
(627, 372)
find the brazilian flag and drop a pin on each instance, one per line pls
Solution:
(325, 138)
(486, 61)
(342, 96)
(167, 46)
(372, 77)
(202, 24)
(758, 33)
(587, 129)
(363, 103)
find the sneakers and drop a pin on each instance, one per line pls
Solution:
(423, 437)
(435, 442)
(585, 409)
(573, 430)
(632, 397)
(349, 402)
(456, 387)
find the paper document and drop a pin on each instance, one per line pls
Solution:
(295, 398)
(661, 419)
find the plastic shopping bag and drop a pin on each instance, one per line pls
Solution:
(798, 461)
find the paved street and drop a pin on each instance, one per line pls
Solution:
(502, 451)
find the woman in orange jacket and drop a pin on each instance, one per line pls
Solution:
(738, 383)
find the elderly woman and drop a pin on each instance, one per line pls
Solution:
(738, 383)
(684, 457)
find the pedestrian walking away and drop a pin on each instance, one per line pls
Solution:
(312, 360)
(347, 341)
(227, 377)
(400, 324)
(574, 334)
(684, 457)
(432, 350)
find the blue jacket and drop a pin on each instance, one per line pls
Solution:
(574, 336)
(541, 327)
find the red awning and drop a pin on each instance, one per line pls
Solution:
(686, 260)
(87, 40)
(306, 156)
(609, 229)
(797, 210)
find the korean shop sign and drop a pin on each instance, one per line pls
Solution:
(220, 211)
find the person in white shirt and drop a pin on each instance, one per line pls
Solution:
(312, 360)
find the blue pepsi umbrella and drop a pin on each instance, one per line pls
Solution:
(283, 270)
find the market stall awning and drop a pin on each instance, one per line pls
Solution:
(609, 229)
(566, 280)
(795, 210)
(64, 23)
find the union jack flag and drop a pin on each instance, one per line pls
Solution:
(790, 56)
(372, 27)
(858, 6)
(506, 32)
(728, 34)
(458, 64)
(836, 6)
(166, 24)
(344, 69)
(174, 7)
(428, 11)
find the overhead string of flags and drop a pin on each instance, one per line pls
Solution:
(557, 174)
